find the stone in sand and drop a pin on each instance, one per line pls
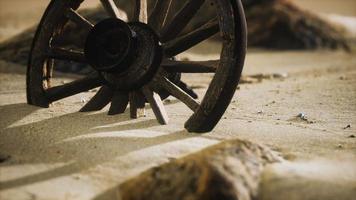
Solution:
(230, 170)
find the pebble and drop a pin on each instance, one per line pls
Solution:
(342, 77)
(83, 100)
(348, 126)
(352, 136)
(280, 75)
(302, 116)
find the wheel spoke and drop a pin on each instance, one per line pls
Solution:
(159, 14)
(178, 93)
(119, 103)
(111, 8)
(75, 87)
(180, 20)
(140, 12)
(209, 66)
(191, 39)
(187, 89)
(66, 54)
(99, 100)
(78, 19)
(157, 105)
(137, 105)
(49, 72)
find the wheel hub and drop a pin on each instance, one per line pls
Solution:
(127, 55)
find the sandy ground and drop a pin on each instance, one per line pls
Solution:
(58, 153)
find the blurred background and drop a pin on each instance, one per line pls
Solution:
(272, 25)
(17, 15)
(284, 80)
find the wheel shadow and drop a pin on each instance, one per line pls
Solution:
(81, 140)
(14, 112)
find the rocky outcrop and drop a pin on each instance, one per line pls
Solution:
(280, 24)
(228, 171)
(276, 24)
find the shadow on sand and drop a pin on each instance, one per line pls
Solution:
(68, 139)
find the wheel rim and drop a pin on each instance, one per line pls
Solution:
(230, 22)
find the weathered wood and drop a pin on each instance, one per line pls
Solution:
(72, 88)
(180, 20)
(137, 104)
(230, 170)
(157, 105)
(140, 11)
(191, 39)
(66, 54)
(159, 14)
(38, 74)
(178, 93)
(266, 21)
(99, 100)
(232, 28)
(209, 66)
(119, 103)
(111, 8)
(78, 19)
(227, 76)
(49, 72)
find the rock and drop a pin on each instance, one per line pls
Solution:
(280, 75)
(249, 80)
(302, 116)
(342, 77)
(280, 24)
(230, 170)
(83, 100)
(257, 78)
(348, 126)
(277, 24)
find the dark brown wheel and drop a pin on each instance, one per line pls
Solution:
(132, 60)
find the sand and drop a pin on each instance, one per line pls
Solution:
(59, 153)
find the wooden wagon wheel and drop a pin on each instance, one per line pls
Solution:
(132, 59)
